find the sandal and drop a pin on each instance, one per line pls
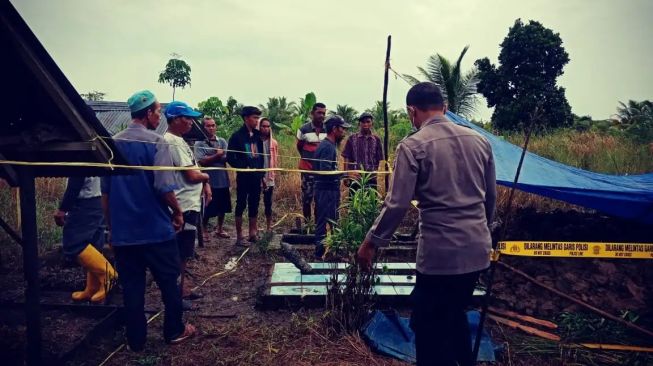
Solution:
(242, 243)
(223, 234)
(189, 331)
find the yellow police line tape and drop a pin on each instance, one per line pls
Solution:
(175, 168)
(575, 249)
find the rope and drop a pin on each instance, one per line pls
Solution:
(173, 168)
(204, 148)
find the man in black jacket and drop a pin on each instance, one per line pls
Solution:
(244, 152)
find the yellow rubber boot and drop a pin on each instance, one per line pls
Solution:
(100, 269)
(92, 286)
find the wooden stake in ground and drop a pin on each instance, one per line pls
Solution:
(385, 111)
(530, 330)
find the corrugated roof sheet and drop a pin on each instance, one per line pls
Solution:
(115, 116)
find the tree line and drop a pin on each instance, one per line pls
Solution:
(530, 61)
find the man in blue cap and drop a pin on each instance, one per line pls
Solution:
(143, 214)
(191, 184)
(327, 186)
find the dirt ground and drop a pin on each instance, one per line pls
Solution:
(232, 331)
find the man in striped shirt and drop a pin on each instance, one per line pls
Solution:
(309, 137)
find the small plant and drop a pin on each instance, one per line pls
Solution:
(263, 244)
(309, 227)
(349, 296)
(581, 327)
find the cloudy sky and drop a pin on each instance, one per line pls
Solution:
(255, 49)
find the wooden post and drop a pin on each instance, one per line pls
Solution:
(16, 193)
(385, 111)
(30, 265)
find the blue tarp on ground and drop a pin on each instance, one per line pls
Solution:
(389, 334)
(626, 196)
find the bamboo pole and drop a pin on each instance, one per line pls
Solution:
(31, 266)
(385, 110)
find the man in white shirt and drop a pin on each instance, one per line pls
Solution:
(192, 183)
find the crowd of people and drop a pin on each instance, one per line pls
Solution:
(153, 216)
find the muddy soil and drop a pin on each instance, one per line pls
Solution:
(232, 331)
(61, 330)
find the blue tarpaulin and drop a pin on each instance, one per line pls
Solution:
(626, 196)
(389, 334)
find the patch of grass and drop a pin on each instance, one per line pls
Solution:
(49, 192)
(591, 328)
(590, 150)
(149, 360)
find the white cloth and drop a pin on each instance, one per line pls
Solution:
(91, 188)
(188, 194)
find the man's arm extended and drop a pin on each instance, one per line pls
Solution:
(397, 202)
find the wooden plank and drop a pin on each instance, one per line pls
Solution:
(280, 279)
(321, 267)
(281, 266)
(320, 290)
(287, 287)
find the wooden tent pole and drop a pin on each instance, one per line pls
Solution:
(385, 111)
(16, 193)
(30, 264)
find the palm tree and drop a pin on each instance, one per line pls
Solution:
(634, 111)
(377, 112)
(278, 110)
(459, 89)
(348, 113)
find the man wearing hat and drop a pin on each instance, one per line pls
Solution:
(363, 150)
(142, 214)
(327, 186)
(191, 184)
(450, 170)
